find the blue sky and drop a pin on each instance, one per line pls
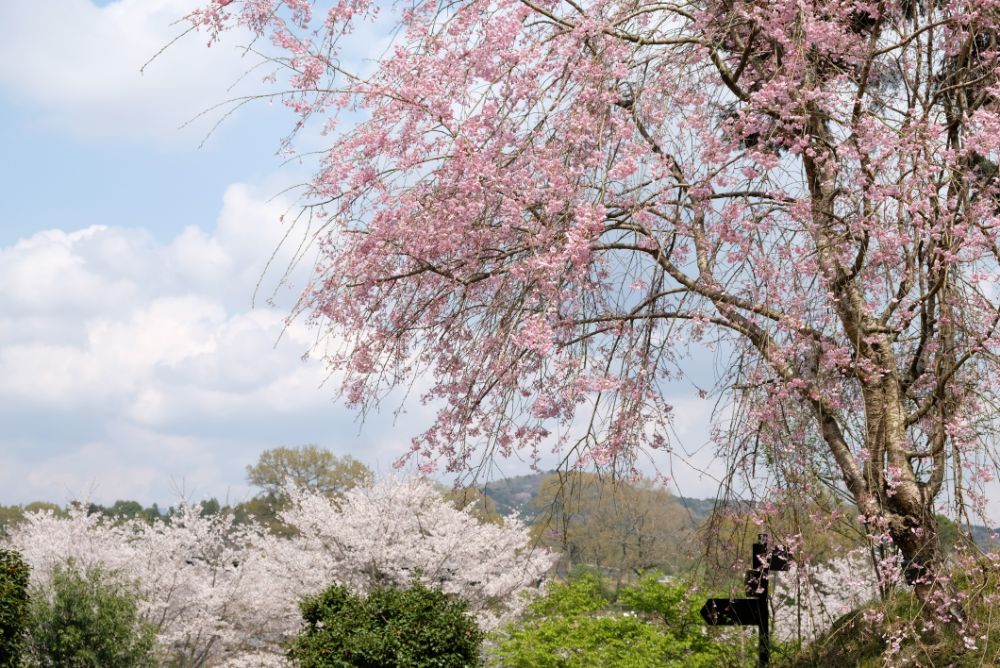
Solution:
(70, 181)
(131, 362)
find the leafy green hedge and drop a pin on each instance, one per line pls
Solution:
(390, 628)
(14, 574)
(653, 624)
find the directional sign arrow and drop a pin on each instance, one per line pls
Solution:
(752, 611)
(731, 611)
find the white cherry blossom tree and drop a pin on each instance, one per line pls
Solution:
(226, 595)
(400, 530)
(809, 598)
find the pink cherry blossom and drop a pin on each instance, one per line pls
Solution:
(543, 193)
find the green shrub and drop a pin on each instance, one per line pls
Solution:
(390, 628)
(87, 619)
(577, 625)
(13, 606)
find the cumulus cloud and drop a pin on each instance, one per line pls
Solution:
(79, 64)
(128, 364)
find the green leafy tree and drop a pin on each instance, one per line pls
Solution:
(474, 501)
(14, 574)
(10, 517)
(390, 628)
(44, 506)
(124, 510)
(823, 526)
(211, 507)
(576, 625)
(307, 466)
(87, 619)
(621, 527)
(263, 510)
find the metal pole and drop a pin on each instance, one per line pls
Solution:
(760, 559)
(764, 634)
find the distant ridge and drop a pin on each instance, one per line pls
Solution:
(517, 494)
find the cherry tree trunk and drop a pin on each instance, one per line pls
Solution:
(895, 503)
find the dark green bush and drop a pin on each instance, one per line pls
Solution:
(87, 619)
(390, 628)
(13, 606)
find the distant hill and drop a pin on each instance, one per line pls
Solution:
(517, 495)
(699, 508)
(984, 537)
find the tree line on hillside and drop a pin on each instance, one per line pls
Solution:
(624, 528)
(594, 519)
(214, 592)
(208, 585)
(309, 467)
(204, 585)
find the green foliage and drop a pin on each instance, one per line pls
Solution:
(264, 510)
(211, 507)
(390, 628)
(576, 625)
(87, 619)
(849, 642)
(121, 509)
(670, 603)
(519, 494)
(307, 466)
(124, 510)
(952, 536)
(11, 516)
(475, 502)
(584, 594)
(13, 606)
(622, 527)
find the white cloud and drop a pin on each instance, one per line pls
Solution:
(52, 272)
(79, 64)
(103, 471)
(128, 364)
(250, 229)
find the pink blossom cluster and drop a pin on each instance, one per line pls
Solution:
(543, 193)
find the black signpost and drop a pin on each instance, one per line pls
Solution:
(753, 611)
